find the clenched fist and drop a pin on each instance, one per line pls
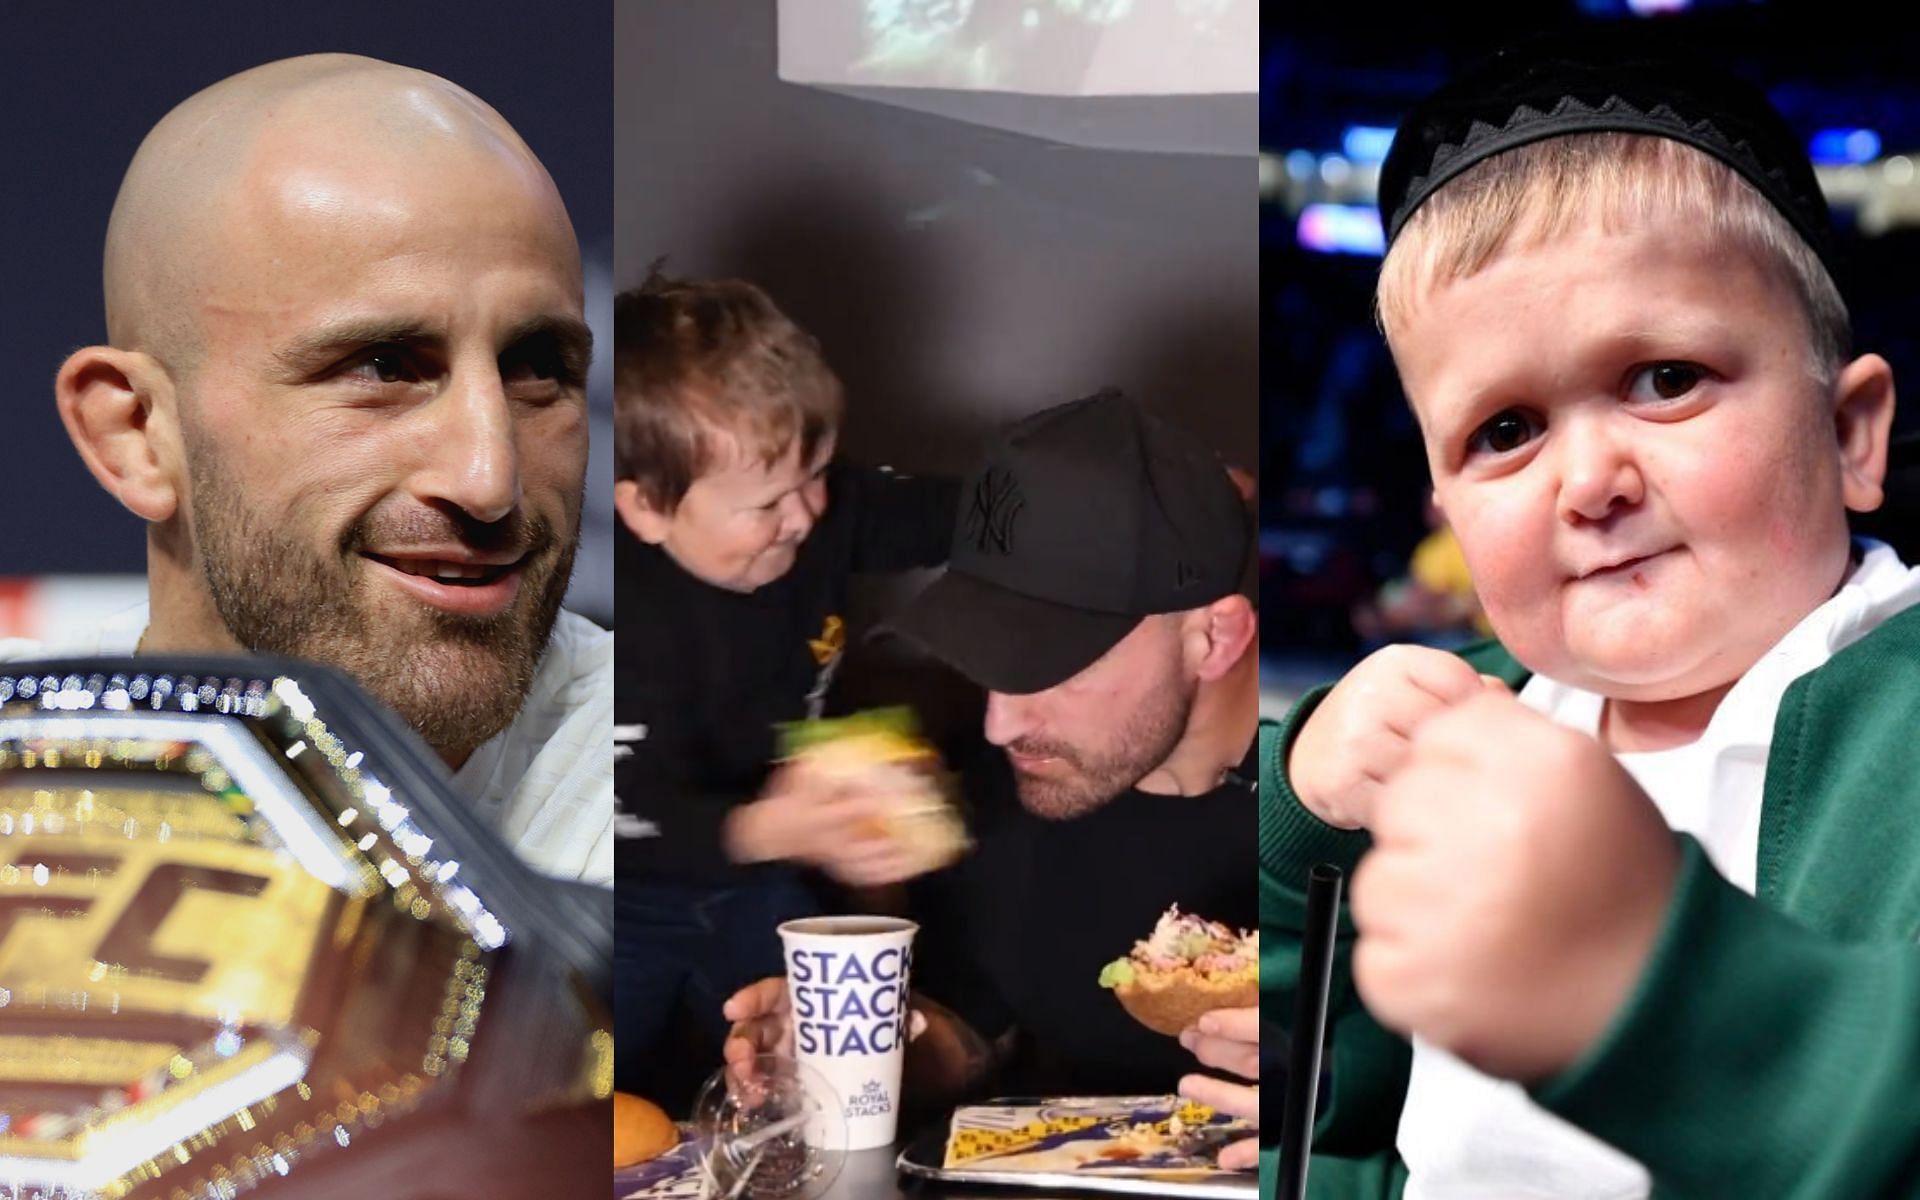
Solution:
(1518, 880)
(1357, 738)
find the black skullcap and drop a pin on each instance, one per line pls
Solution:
(1592, 81)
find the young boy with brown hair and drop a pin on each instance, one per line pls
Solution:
(741, 535)
(1640, 879)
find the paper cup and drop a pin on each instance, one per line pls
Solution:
(847, 982)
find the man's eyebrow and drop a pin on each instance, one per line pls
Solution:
(569, 333)
(322, 346)
(329, 342)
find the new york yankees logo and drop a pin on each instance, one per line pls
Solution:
(997, 500)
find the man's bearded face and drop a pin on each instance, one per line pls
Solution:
(386, 425)
(1076, 746)
(456, 677)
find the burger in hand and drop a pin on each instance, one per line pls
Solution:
(881, 750)
(1188, 966)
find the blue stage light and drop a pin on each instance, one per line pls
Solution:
(1367, 143)
(1844, 147)
(1341, 229)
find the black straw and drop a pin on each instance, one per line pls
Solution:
(1309, 1029)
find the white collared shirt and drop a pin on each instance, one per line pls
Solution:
(544, 783)
(1465, 1135)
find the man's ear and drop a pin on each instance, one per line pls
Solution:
(645, 521)
(1862, 422)
(118, 407)
(1220, 634)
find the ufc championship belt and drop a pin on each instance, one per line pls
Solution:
(252, 944)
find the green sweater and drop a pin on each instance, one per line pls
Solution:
(1771, 1048)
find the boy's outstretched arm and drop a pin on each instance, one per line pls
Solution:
(900, 521)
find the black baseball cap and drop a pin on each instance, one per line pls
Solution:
(1081, 521)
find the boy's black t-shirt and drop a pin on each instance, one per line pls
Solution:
(702, 675)
(1015, 934)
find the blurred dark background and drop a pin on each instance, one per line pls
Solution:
(80, 85)
(958, 275)
(1344, 477)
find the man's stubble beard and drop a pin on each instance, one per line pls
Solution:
(1146, 740)
(456, 679)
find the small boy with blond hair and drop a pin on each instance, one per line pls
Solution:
(1640, 879)
(741, 534)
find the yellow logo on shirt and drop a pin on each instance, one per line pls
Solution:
(832, 640)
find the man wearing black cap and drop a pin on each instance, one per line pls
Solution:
(1097, 591)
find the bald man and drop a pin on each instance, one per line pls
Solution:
(344, 386)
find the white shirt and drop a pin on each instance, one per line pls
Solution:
(1465, 1135)
(544, 783)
